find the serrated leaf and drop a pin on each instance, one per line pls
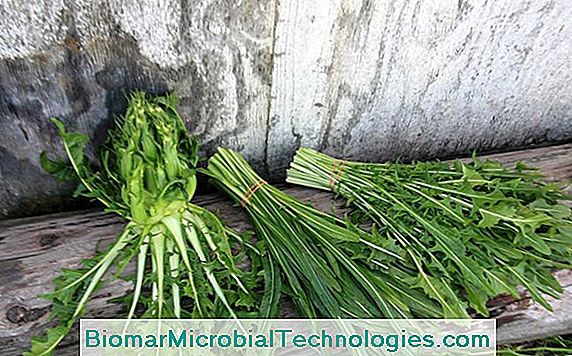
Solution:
(535, 241)
(558, 211)
(46, 345)
(493, 214)
(439, 290)
(62, 171)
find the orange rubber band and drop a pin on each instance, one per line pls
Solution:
(340, 171)
(332, 173)
(335, 176)
(250, 192)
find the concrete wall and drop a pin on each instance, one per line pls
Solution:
(361, 79)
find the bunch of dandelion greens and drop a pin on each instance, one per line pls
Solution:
(330, 268)
(183, 251)
(478, 229)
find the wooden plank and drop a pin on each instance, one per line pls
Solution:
(522, 320)
(33, 250)
(77, 60)
(377, 80)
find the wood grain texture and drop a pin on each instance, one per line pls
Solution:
(33, 250)
(417, 79)
(77, 60)
(522, 320)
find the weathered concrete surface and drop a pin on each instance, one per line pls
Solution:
(361, 79)
(375, 80)
(77, 60)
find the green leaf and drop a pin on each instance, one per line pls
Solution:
(269, 306)
(74, 144)
(439, 290)
(493, 214)
(535, 241)
(477, 300)
(558, 211)
(62, 171)
(46, 345)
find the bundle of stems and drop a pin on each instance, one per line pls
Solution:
(148, 176)
(331, 268)
(557, 345)
(477, 228)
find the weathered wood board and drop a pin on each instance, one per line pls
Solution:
(362, 78)
(33, 250)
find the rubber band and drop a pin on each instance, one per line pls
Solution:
(332, 173)
(250, 192)
(340, 171)
(336, 173)
(339, 168)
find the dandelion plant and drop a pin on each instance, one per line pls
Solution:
(331, 268)
(478, 229)
(182, 251)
